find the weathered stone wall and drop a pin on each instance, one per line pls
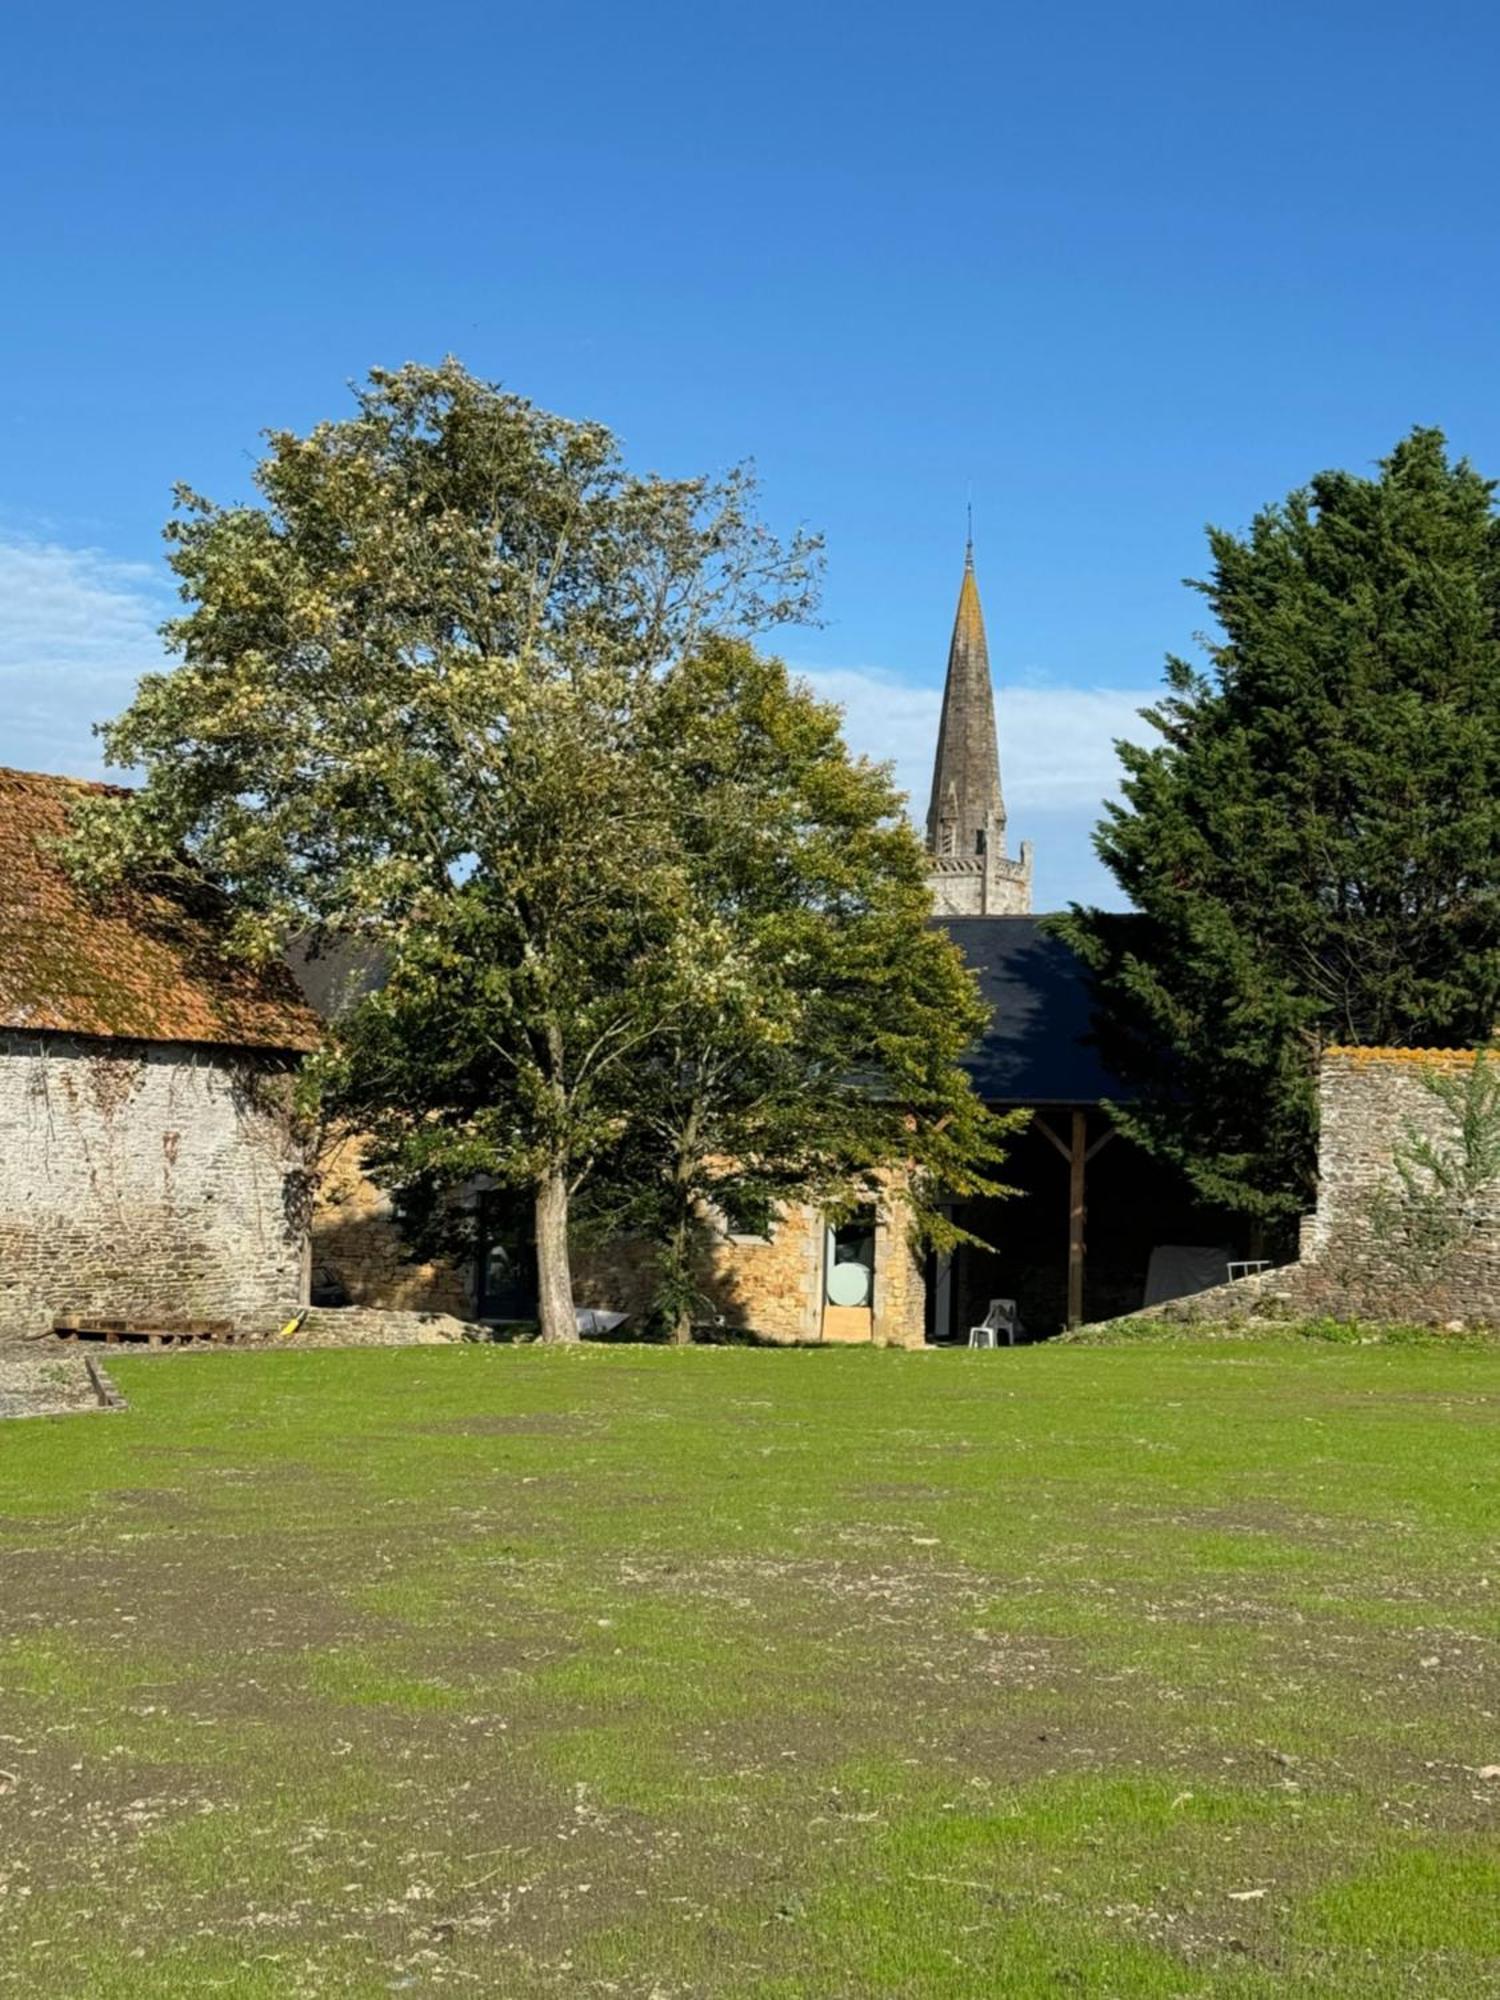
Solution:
(142, 1181)
(1371, 1101)
(356, 1243)
(770, 1286)
(1368, 1101)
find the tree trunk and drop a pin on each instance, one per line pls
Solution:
(681, 1247)
(682, 1317)
(554, 1271)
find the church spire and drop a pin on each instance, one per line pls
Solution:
(966, 797)
(966, 815)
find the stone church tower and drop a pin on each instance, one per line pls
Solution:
(968, 872)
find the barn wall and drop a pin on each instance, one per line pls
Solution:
(1354, 1263)
(357, 1248)
(145, 1181)
(770, 1287)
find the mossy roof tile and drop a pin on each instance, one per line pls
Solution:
(145, 967)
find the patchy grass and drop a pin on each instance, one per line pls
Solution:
(1181, 1322)
(1149, 1671)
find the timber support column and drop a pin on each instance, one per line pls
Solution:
(1077, 1152)
(1077, 1159)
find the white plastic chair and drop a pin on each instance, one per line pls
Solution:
(1001, 1318)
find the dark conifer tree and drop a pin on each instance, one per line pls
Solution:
(1313, 846)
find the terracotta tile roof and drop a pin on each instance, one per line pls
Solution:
(145, 968)
(1358, 1053)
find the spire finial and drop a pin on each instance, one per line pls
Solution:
(969, 540)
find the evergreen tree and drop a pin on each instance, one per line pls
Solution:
(1313, 847)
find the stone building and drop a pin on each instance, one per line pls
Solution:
(1365, 1253)
(804, 1281)
(970, 873)
(149, 1168)
(863, 1281)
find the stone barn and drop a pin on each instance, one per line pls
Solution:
(150, 1170)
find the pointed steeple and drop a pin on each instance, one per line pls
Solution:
(966, 816)
(966, 797)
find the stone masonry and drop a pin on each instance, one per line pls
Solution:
(1372, 1102)
(147, 1181)
(969, 873)
(358, 1247)
(771, 1287)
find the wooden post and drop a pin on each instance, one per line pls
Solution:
(1076, 1161)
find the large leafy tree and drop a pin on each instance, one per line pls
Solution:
(812, 1047)
(408, 703)
(1313, 846)
(775, 1018)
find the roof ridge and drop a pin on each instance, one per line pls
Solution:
(12, 774)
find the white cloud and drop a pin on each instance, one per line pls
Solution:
(1057, 757)
(77, 630)
(79, 627)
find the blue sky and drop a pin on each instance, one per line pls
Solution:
(1122, 270)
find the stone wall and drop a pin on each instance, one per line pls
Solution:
(147, 1181)
(772, 1286)
(768, 1286)
(1352, 1265)
(357, 1247)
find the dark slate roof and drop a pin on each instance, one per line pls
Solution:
(1038, 1047)
(335, 974)
(146, 967)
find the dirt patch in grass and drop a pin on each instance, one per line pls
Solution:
(503, 1424)
(797, 1720)
(180, 1593)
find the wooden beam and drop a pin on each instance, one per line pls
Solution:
(1076, 1164)
(1047, 1132)
(1100, 1143)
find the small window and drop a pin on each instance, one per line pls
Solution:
(850, 1277)
(945, 838)
(981, 841)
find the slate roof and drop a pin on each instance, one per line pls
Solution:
(1038, 1047)
(147, 968)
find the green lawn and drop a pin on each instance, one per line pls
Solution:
(1156, 1671)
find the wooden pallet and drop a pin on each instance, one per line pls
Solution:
(153, 1333)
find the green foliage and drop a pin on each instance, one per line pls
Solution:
(1313, 846)
(407, 712)
(757, 1009)
(462, 691)
(812, 1046)
(384, 645)
(1447, 1186)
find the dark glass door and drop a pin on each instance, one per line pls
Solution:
(505, 1280)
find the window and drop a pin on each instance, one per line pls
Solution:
(981, 841)
(850, 1276)
(945, 838)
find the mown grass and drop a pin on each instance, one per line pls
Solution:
(1151, 1671)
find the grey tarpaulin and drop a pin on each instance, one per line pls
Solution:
(1178, 1269)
